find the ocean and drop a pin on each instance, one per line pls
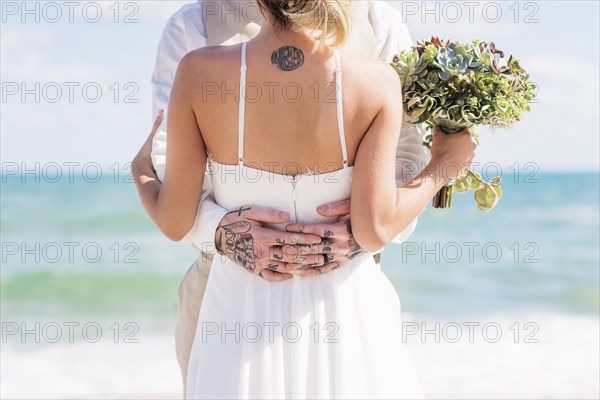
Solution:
(83, 251)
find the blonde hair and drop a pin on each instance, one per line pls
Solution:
(329, 20)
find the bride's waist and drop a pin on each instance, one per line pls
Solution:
(300, 200)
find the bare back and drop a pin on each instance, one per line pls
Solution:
(290, 115)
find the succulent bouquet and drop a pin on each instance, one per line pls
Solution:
(455, 85)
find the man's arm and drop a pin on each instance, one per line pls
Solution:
(173, 46)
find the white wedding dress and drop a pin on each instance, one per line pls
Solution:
(336, 335)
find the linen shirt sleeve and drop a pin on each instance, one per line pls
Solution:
(185, 31)
(392, 36)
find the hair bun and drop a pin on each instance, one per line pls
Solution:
(330, 19)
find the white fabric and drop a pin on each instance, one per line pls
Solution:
(330, 336)
(242, 109)
(340, 106)
(187, 30)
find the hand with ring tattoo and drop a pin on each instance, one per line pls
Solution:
(338, 245)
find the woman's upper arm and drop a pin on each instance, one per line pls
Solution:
(374, 181)
(186, 155)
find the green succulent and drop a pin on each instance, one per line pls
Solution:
(452, 61)
(430, 82)
(429, 53)
(410, 67)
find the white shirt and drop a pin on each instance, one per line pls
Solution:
(186, 31)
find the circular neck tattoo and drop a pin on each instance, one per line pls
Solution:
(288, 58)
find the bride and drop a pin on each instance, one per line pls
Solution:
(284, 121)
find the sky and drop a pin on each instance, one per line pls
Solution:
(77, 92)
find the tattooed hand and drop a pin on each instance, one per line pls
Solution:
(243, 238)
(338, 245)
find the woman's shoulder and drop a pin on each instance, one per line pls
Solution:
(372, 78)
(210, 61)
(215, 52)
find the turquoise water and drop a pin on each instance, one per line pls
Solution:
(537, 251)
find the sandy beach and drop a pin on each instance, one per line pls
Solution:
(562, 364)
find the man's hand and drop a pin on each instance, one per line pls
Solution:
(338, 246)
(146, 182)
(242, 237)
(141, 166)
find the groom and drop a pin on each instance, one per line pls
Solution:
(377, 31)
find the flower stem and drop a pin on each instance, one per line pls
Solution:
(478, 178)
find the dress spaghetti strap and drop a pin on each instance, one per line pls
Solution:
(242, 106)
